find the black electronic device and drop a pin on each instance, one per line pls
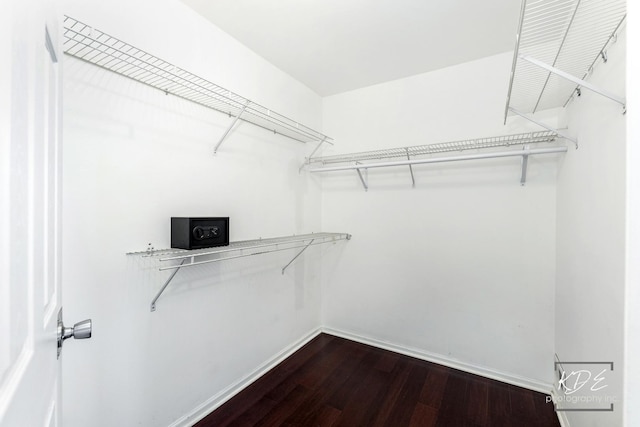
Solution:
(198, 233)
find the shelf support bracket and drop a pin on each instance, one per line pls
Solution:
(297, 255)
(362, 178)
(547, 127)
(413, 179)
(153, 302)
(233, 123)
(525, 161)
(308, 159)
(574, 79)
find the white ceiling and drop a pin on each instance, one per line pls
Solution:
(334, 46)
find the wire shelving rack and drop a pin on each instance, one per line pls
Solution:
(421, 154)
(167, 258)
(440, 147)
(557, 45)
(103, 50)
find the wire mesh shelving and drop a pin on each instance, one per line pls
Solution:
(557, 45)
(237, 249)
(103, 50)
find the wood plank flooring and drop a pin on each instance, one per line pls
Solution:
(336, 382)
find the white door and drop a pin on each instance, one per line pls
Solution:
(30, 213)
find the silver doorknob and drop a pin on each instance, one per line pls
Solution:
(79, 331)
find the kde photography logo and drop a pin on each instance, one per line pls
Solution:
(583, 386)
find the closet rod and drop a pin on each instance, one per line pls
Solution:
(498, 154)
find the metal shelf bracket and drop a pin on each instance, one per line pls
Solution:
(413, 179)
(173, 274)
(525, 161)
(233, 123)
(364, 179)
(306, 162)
(574, 79)
(297, 255)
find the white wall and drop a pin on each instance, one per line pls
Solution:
(5, 138)
(133, 158)
(591, 235)
(460, 268)
(632, 293)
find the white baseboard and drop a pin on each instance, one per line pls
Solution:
(214, 402)
(504, 377)
(443, 360)
(564, 421)
(562, 416)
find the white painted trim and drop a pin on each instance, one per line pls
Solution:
(217, 400)
(562, 416)
(504, 377)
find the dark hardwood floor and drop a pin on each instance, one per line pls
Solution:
(336, 382)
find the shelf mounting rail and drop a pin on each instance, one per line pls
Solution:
(238, 249)
(105, 51)
(557, 46)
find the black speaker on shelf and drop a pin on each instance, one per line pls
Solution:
(198, 233)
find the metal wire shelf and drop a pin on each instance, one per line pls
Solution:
(362, 162)
(557, 45)
(238, 249)
(441, 147)
(98, 48)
